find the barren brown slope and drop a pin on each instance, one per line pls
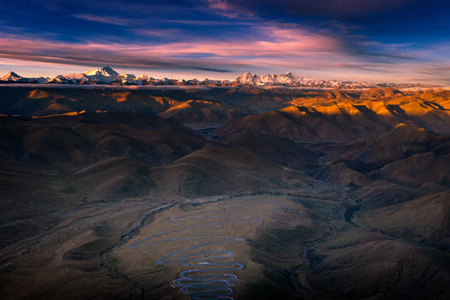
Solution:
(416, 170)
(404, 140)
(114, 179)
(384, 269)
(425, 219)
(383, 236)
(257, 99)
(217, 170)
(48, 101)
(278, 150)
(406, 155)
(211, 170)
(347, 120)
(27, 192)
(303, 124)
(376, 93)
(201, 111)
(70, 143)
(276, 98)
(340, 173)
(332, 97)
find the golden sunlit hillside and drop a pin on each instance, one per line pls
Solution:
(288, 193)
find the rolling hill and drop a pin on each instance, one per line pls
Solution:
(335, 194)
(346, 121)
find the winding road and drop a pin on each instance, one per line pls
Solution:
(207, 276)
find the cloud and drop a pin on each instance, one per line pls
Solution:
(257, 44)
(275, 44)
(333, 9)
(162, 33)
(434, 73)
(364, 27)
(210, 22)
(127, 56)
(228, 9)
(271, 41)
(441, 70)
(344, 22)
(292, 50)
(105, 19)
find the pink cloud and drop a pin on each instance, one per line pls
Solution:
(164, 33)
(289, 48)
(278, 47)
(227, 9)
(274, 41)
(105, 20)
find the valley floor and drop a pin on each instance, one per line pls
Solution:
(314, 242)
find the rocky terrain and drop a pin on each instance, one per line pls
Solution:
(325, 194)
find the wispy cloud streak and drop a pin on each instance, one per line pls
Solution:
(377, 37)
(272, 42)
(106, 19)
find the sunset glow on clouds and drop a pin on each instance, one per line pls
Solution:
(397, 40)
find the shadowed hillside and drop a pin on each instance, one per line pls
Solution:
(194, 112)
(325, 194)
(69, 143)
(282, 151)
(406, 155)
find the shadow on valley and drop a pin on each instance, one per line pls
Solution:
(239, 193)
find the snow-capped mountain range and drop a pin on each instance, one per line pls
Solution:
(107, 75)
(12, 77)
(290, 79)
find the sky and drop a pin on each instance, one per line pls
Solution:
(373, 40)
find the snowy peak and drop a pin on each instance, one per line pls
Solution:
(105, 71)
(142, 77)
(247, 78)
(272, 79)
(11, 76)
(105, 74)
(77, 76)
(289, 79)
(127, 77)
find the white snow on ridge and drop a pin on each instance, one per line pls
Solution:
(107, 75)
(105, 71)
(290, 79)
(127, 77)
(11, 76)
(14, 77)
(73, 78)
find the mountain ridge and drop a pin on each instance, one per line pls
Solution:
(107, 75)
(290, 79)
(11, 76)
(338, 194)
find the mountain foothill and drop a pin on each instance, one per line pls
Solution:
(105, 148)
